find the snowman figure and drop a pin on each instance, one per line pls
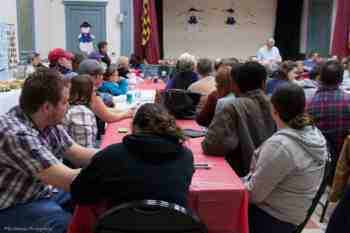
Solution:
(86, 38)
(230, 20)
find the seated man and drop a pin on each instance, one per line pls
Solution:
(312, 84)
(61, 61)
(206, 83)
(313, 59)
(103, 50)
(238, 129)
(123, 66)
(33, 180)
(330, 107)
(269, 55)
(34, 62)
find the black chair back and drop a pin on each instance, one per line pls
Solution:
(149, 216)
(335, 152)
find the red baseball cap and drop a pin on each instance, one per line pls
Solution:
(57, 53)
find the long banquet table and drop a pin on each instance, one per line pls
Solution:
(217, 195)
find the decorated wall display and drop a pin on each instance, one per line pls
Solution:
(12, 46)
(8, 49)
(3, 47)
(86, 39)
(230, 19)
(220, 28)
(237, 14)
(192, 19)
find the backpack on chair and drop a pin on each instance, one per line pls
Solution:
(180, 103)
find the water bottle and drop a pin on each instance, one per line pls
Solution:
(129, 97)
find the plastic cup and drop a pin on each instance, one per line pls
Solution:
(129, 98)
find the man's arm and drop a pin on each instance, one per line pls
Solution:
(59, 176)
(278, 55)
(79, 155)
(105, 114)
(259, 55)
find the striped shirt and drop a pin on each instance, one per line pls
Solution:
(80, 124)
(25, 152)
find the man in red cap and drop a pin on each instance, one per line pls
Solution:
(61, 61)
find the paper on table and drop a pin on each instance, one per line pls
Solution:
(139, 97)
(147, 96)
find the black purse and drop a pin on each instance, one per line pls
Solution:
(180, 103)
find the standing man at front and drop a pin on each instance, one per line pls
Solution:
(269, 55)
(34, 184)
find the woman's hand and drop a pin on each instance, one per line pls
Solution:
(130, 113)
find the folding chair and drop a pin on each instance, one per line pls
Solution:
(320, 192)
(149, 216)
(334, 156)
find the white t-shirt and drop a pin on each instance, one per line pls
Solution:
(267, 55)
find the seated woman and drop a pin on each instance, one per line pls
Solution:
(150, 163)
(113, 84)
(224, 92)
(97, 105)
(184, 75)
(288, 72)
(80, 121)
(302, 73)
(287, 169)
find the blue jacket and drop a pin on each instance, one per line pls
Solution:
(114, 88)
(272, 84)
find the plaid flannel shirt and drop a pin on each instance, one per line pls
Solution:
(25, 152)
(330, 108)
(80, 124)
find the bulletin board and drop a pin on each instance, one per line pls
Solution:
(8, 49)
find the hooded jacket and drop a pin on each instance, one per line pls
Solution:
(141, 167)
(310, 87)
(241, 127)
(286, 173)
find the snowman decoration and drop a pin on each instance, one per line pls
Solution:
(86, 38)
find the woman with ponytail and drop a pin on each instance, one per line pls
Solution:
(150, 163)
(287, 169)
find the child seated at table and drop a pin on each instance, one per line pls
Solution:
(113, 83)
(80, 121)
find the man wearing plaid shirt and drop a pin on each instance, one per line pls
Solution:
(330, 107)
(33, 181)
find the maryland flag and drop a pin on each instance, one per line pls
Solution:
(146, 23)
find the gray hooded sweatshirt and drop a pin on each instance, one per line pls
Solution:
(286, 173)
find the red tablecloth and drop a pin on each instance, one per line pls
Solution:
(150, 85)
(217, 195)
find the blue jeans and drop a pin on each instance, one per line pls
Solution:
(40, 216)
